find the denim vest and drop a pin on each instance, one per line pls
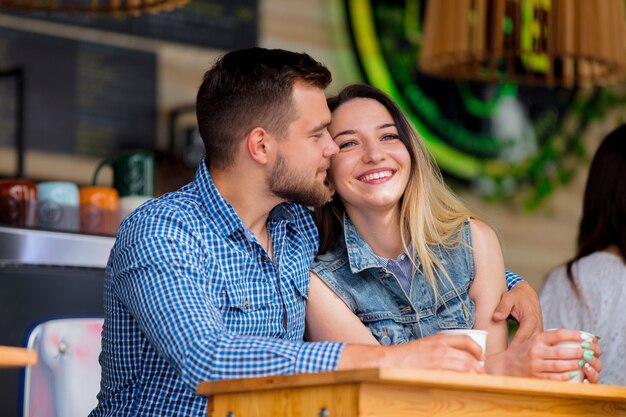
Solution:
(377, 298)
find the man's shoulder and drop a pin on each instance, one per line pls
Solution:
(174, 214)
(183, 203)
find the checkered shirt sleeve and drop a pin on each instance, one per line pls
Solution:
(512, 279)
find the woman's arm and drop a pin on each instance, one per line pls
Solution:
(488, 286)
(328, 318)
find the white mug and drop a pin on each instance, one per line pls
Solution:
(587, 337)
(478, 336)
(129, 203)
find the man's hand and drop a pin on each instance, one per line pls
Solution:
(522, 303)
(452, 353)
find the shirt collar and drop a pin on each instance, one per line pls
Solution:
(218, 208)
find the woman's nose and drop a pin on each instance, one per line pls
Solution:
(373, 152)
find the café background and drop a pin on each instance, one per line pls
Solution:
(533, 242)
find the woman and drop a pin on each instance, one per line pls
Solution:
(589, 291)
(401, 257)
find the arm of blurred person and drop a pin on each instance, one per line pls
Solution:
(521, 302)
(488, 287)
(328, 318)
(539, 357)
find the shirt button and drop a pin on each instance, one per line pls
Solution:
(246, 304)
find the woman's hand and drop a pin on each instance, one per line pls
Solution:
(539, 357)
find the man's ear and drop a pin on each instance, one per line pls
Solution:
(259, 144)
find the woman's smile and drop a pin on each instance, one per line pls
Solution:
(377, 176)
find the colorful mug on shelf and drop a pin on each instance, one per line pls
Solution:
(18, 203)
(129, 203)
(58, 205)
(99, 210)
(133, 173)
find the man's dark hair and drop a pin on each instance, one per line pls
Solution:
(251, 88)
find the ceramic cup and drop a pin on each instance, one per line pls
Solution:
(99, 210)
(58, 205)
(133, 173)
(18, 203)
(478, 336)
(129, 204)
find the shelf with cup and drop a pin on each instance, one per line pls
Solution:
(91, 209)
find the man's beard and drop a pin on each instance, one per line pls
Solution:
(295, 186)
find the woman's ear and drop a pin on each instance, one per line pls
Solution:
(259, 144)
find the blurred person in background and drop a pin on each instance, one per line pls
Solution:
(588, 292)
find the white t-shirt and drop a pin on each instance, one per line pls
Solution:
(601, 308)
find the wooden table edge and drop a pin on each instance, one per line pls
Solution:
(422, 378)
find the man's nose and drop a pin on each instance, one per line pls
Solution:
(330, 147)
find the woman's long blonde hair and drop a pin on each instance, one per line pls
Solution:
(430, 213)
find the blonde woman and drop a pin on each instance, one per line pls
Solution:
(401, 257)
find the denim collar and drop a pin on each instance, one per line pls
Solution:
(360, 254)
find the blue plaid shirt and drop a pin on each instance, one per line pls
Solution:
(512, 279)
(191, 295)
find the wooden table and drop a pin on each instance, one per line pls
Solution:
(14, 357)
(401, 393)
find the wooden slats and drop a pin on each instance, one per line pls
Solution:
(579, 42)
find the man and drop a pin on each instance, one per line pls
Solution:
(210, 282)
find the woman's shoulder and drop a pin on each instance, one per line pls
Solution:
(479, 227)
(600, 260)
(587, 271)
(483, 235)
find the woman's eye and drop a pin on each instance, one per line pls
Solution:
(390, 136)
(347, 144)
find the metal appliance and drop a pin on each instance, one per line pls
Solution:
(45, 274)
